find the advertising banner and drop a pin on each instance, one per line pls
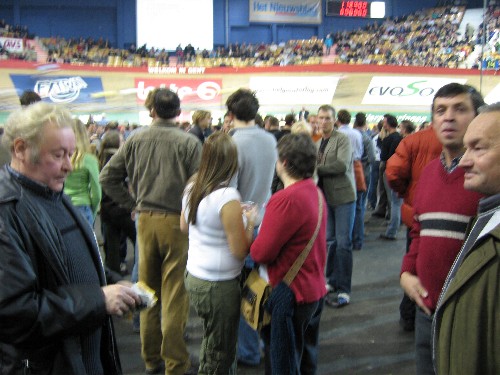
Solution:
(405, 90)
(190, 91)
(285, 11)
(11, 44)
(294, 90)
(60, 89)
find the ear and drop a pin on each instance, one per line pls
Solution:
(19, 148)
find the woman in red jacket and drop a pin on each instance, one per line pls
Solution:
(289, 223)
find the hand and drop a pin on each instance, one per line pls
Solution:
(414, 290)
(120, 299)
(133, 215)
(251, 214)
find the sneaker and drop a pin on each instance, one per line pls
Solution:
(343, 299)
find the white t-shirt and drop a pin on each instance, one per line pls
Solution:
(209, 257)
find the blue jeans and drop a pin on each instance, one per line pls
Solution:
(358, 232)
(423, 349)
(87, 213)
(395, 221)
(248, 350)
(339, 242)
(305, 322)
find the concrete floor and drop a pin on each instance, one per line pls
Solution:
(361, 338)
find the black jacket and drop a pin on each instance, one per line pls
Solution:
(42, 315)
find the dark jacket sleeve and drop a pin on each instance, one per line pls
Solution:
(30, 312)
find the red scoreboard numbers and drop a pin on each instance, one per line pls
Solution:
(354, 9)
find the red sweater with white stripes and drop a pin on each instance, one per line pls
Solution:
(442, 210)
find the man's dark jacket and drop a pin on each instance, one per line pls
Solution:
(42, 315)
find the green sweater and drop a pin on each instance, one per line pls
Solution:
(82, 184)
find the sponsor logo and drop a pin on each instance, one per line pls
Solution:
(189, 91)
(404, 91)
(11, 44)
(62, 90)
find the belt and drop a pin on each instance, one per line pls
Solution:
(157, 213)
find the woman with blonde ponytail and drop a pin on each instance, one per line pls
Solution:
(82, 184)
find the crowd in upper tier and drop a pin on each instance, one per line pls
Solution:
(428, 38)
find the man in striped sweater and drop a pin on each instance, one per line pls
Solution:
(442, 209)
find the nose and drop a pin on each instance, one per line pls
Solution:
(465, 161)
(67, 164)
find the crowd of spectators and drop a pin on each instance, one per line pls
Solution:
(426, 38)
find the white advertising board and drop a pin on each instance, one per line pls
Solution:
(405, 90)
(294, 90)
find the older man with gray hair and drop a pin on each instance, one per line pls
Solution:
(466, 327)
(55, 305)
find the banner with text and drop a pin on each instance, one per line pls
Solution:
(190, 91)
(294, 90)
(60, 89)
(405, 90)
(285, 11)
(11, 44)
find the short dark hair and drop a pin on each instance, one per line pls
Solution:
(327, 108)
(273, 121)
(29, 97)
(408, 125)
(300, 153)
(243, 104)
(392, 121)
(259, 121)
(166, 104)
(359, 120)
(454, 89)
(289, 119)
(344, 116)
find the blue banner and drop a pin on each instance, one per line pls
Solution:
(285, 11)
(60, 89)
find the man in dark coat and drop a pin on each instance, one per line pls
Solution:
(55, 305)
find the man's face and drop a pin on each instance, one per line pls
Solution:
(325, 122)
(450, 119)
(482, 159)
(53, 165)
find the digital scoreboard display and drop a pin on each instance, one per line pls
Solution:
(360, 9)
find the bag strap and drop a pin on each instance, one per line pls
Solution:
(294, 270)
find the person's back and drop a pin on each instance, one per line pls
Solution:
(257, 157)
(158, 161)
(82, 184)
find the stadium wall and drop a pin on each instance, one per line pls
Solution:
(119, 93)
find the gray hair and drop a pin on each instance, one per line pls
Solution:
(495, 107)
(27, 123)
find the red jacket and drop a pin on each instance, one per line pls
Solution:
(403, 169)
